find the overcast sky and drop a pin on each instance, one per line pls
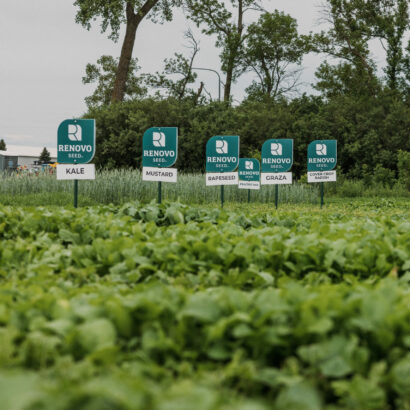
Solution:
(43, 54)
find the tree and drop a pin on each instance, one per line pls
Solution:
(103, 73)
(182, 67)
(113, 14)
(230, 31)
(347, 39)
(388, 21)
(354, 23)
(44, 156)
(272, 46)
(2, 145)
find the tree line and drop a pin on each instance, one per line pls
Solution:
(362, 103)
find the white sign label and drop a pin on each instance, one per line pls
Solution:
(249, 185)
(159, 174)
(221, 178)
(75, 171)
(322, 176)
(276, 178)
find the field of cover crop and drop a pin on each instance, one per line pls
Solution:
(175, 307)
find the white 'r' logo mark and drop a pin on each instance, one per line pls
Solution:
(276, 148)
(75, 132)
(221, 147)
(158, 139)
(321, 149)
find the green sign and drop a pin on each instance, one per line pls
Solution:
(160, 147)
(322, 155)
(76, 141)
(277, 155)
(222, 154)
(249, 170)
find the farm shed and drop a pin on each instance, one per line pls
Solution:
(24, 156)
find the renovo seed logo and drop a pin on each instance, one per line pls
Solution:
(158, 139)
(76, 141)
(276, 149)
(321, 149)
(160, 147)
(75, 132)
(221, 147)
(222, 153)
(248, 165)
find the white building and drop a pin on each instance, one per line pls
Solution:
(20, 155)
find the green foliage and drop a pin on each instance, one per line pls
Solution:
(45, 156)
(180, 307)
(272, 45)
(120, 186)
(404, 168)
(384, 176)
(226, 21)
(2, 145)
(369, 131)
(103, 73)
(112, 14)
(180, 66)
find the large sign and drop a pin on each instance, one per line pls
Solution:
(160, 147)
(322, 159)
(159, 153)
(277, 155)
(249, 173)
(76, 141)
(277, 160)
(322, 155)
(222, 154)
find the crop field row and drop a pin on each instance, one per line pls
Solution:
(174, 307)
(120, 186)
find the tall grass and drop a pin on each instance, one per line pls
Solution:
(119, 186)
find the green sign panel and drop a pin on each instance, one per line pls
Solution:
(76, 141)
(222, 154)
(322, 155)
(160, 147)
(249, 170)
(277, 155)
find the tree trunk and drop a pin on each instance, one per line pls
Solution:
(133, 21)
(228, 80)
(234, 53)
(198, 93)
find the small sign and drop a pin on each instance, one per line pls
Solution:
(319, 176)
(160, 147)
(249, 173)
(249, 185)
(276, 178)
(76, 141)
(222, 178)
(322, 155)
(222, 154)
(159, 174)
(277, 155)
(75, 171)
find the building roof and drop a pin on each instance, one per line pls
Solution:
(25, 151)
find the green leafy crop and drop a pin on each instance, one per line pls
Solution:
(178, 307)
